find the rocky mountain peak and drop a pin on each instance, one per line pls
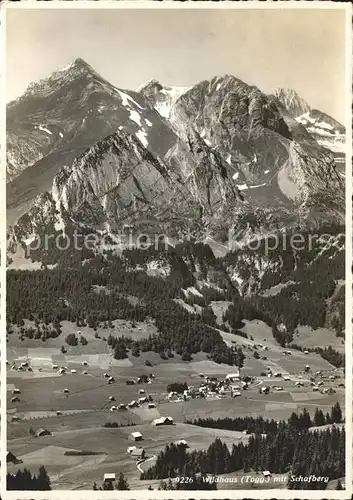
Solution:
(151, 88)
(295, 104)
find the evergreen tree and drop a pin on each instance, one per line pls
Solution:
(122, 483)
(336, 413)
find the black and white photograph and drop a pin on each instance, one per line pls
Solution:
(178, 311)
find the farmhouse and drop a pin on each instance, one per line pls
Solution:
(15, 399)
(113, 408)
(136, 436)
(66, 391)
(111, 398)
(16, 391)
(266, 473)
(142, 400)
(142, 391)
(265, 390)
(15, 418)
(133, 404)
(236, 394)
(151, 405)
(109, 479)
(286, 377)
(138, 453)
(73, 371)
(59, 412)
(43, 432)
(182, 442)
(10, 458)
(233, 377)
(163, 421)
(122, 406)
(131, 448)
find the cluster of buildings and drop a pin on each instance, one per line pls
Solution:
(213, 387)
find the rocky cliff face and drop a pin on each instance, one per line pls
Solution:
(224, 156)
(162, 98)
(59, 117)
(275, 160)
(295, 104)
(326, 131)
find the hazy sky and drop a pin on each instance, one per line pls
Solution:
(303, 50)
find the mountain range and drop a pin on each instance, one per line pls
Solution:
(214, 156)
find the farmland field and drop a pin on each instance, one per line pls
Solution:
(87, 404)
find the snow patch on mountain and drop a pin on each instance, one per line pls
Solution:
(142, 136)
(44, 129)
(134, 115)
(127, 100)
(161, 97)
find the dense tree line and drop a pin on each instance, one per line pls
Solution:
(287, 449)
(264, 426)
(310, 280)
(25, 480)
(70, 292)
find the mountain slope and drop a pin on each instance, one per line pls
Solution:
(226, 156)
(58, 118)
(277, 161)
(295, 104)
(162, 98)
(327, 131)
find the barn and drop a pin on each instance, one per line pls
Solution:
(109, 479)
(43, 432)
(138, 453)
(233, 377)
(11, 458)
(136, 436)
(163, 421)
(182, 442)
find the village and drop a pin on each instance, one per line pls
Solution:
(90, 417)
(155, 401)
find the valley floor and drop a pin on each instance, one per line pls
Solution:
(86, 407)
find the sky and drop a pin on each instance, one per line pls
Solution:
(302, 50)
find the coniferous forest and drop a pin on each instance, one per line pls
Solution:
(69, 292)
(284, 447)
